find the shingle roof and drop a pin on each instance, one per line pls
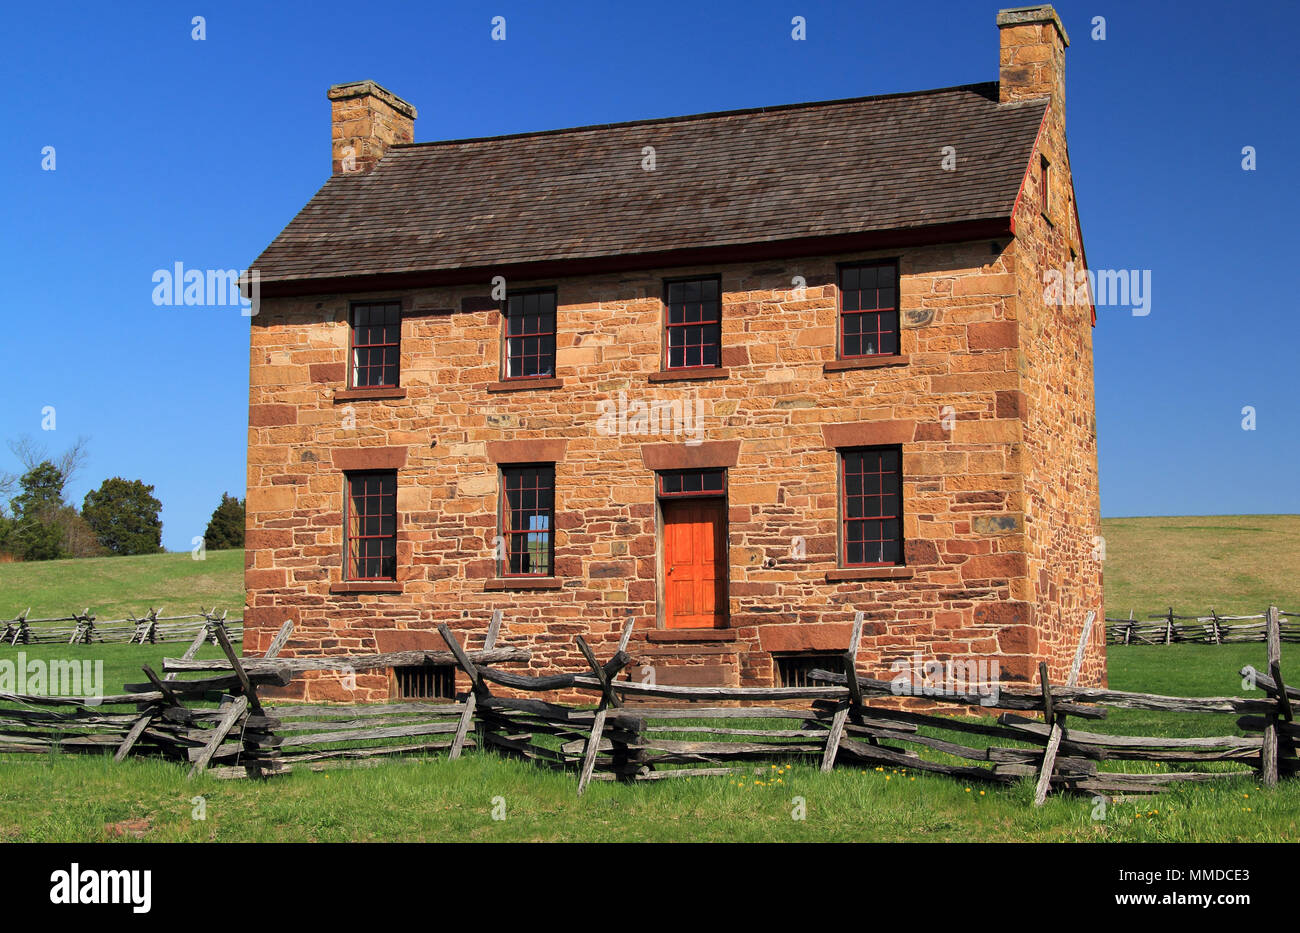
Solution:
(723, 179)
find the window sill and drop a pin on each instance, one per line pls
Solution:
(869, 573)
(523, 583)
(516, 385)
(690, 634)
(684, 375)
(366, 586)
(866, 362)
(353, 395)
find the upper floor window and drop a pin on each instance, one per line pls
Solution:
(370, 525)
(869, 309)
(376, 344)
(530, 335)
(871, 496)
(693, 323)
(528, 520)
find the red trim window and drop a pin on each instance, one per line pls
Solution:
(530, 335)
(693, 324)
(370, 526)
(680, 484)
(871, 497)
(376, 344)
(528, 520)
(869, 310)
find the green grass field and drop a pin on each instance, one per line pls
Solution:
(112, 587)
(1235, 564)
(1151, 563)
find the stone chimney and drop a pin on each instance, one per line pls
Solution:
(1032, 56)
(367, 119)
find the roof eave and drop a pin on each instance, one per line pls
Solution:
(952, 232)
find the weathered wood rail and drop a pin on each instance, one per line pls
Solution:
(1214, 629)
(1063, 758)
(84, 628)
(627, 733)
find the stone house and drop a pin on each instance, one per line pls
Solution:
(735, 375)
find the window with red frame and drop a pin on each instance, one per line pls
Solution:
(693, 324)
(370, 526)
(871, 495)
(376, 344)
(530, 335)
(528, 520)
(675, 484)
(869, 310)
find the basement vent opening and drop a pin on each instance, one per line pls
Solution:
(792, 669)
(426, 682)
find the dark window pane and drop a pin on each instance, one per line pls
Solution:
(692, 482)
(869, 310)
(871, 491)
(371, 528)
(376, 344)
(527, 519)
(694, 334)
(530, 335)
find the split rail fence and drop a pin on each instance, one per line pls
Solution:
(1214, 629)
(83, 628)
(649, 732)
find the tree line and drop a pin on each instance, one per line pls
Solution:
(120, 516)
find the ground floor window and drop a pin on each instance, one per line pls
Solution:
(370, 526)
(426, 682)
(528, 520)
(871, 504)
(792, 669)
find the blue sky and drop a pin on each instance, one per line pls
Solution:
(174, 150)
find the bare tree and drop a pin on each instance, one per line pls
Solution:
(32, 454)
(71, 462)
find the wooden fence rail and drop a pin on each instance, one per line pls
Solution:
(1213, 629)
(84, 628)
(633, 731)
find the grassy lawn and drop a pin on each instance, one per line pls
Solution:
(430, 799)
(1151, 563)
(1235, 564)
(115, 586)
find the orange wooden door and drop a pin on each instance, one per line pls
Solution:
(695, 563)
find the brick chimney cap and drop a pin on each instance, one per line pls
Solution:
(371, 89)
(1040, 13)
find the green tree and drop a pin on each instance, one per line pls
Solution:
(226, 527)
(124, 516)
(35, 532)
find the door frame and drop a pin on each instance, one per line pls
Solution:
(661, 612)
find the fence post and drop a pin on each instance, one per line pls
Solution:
(605, 676)
(1169, 627)
(1269, 752)
(85, 627)
(854, 702)
(1057, 721)
(471, 699)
